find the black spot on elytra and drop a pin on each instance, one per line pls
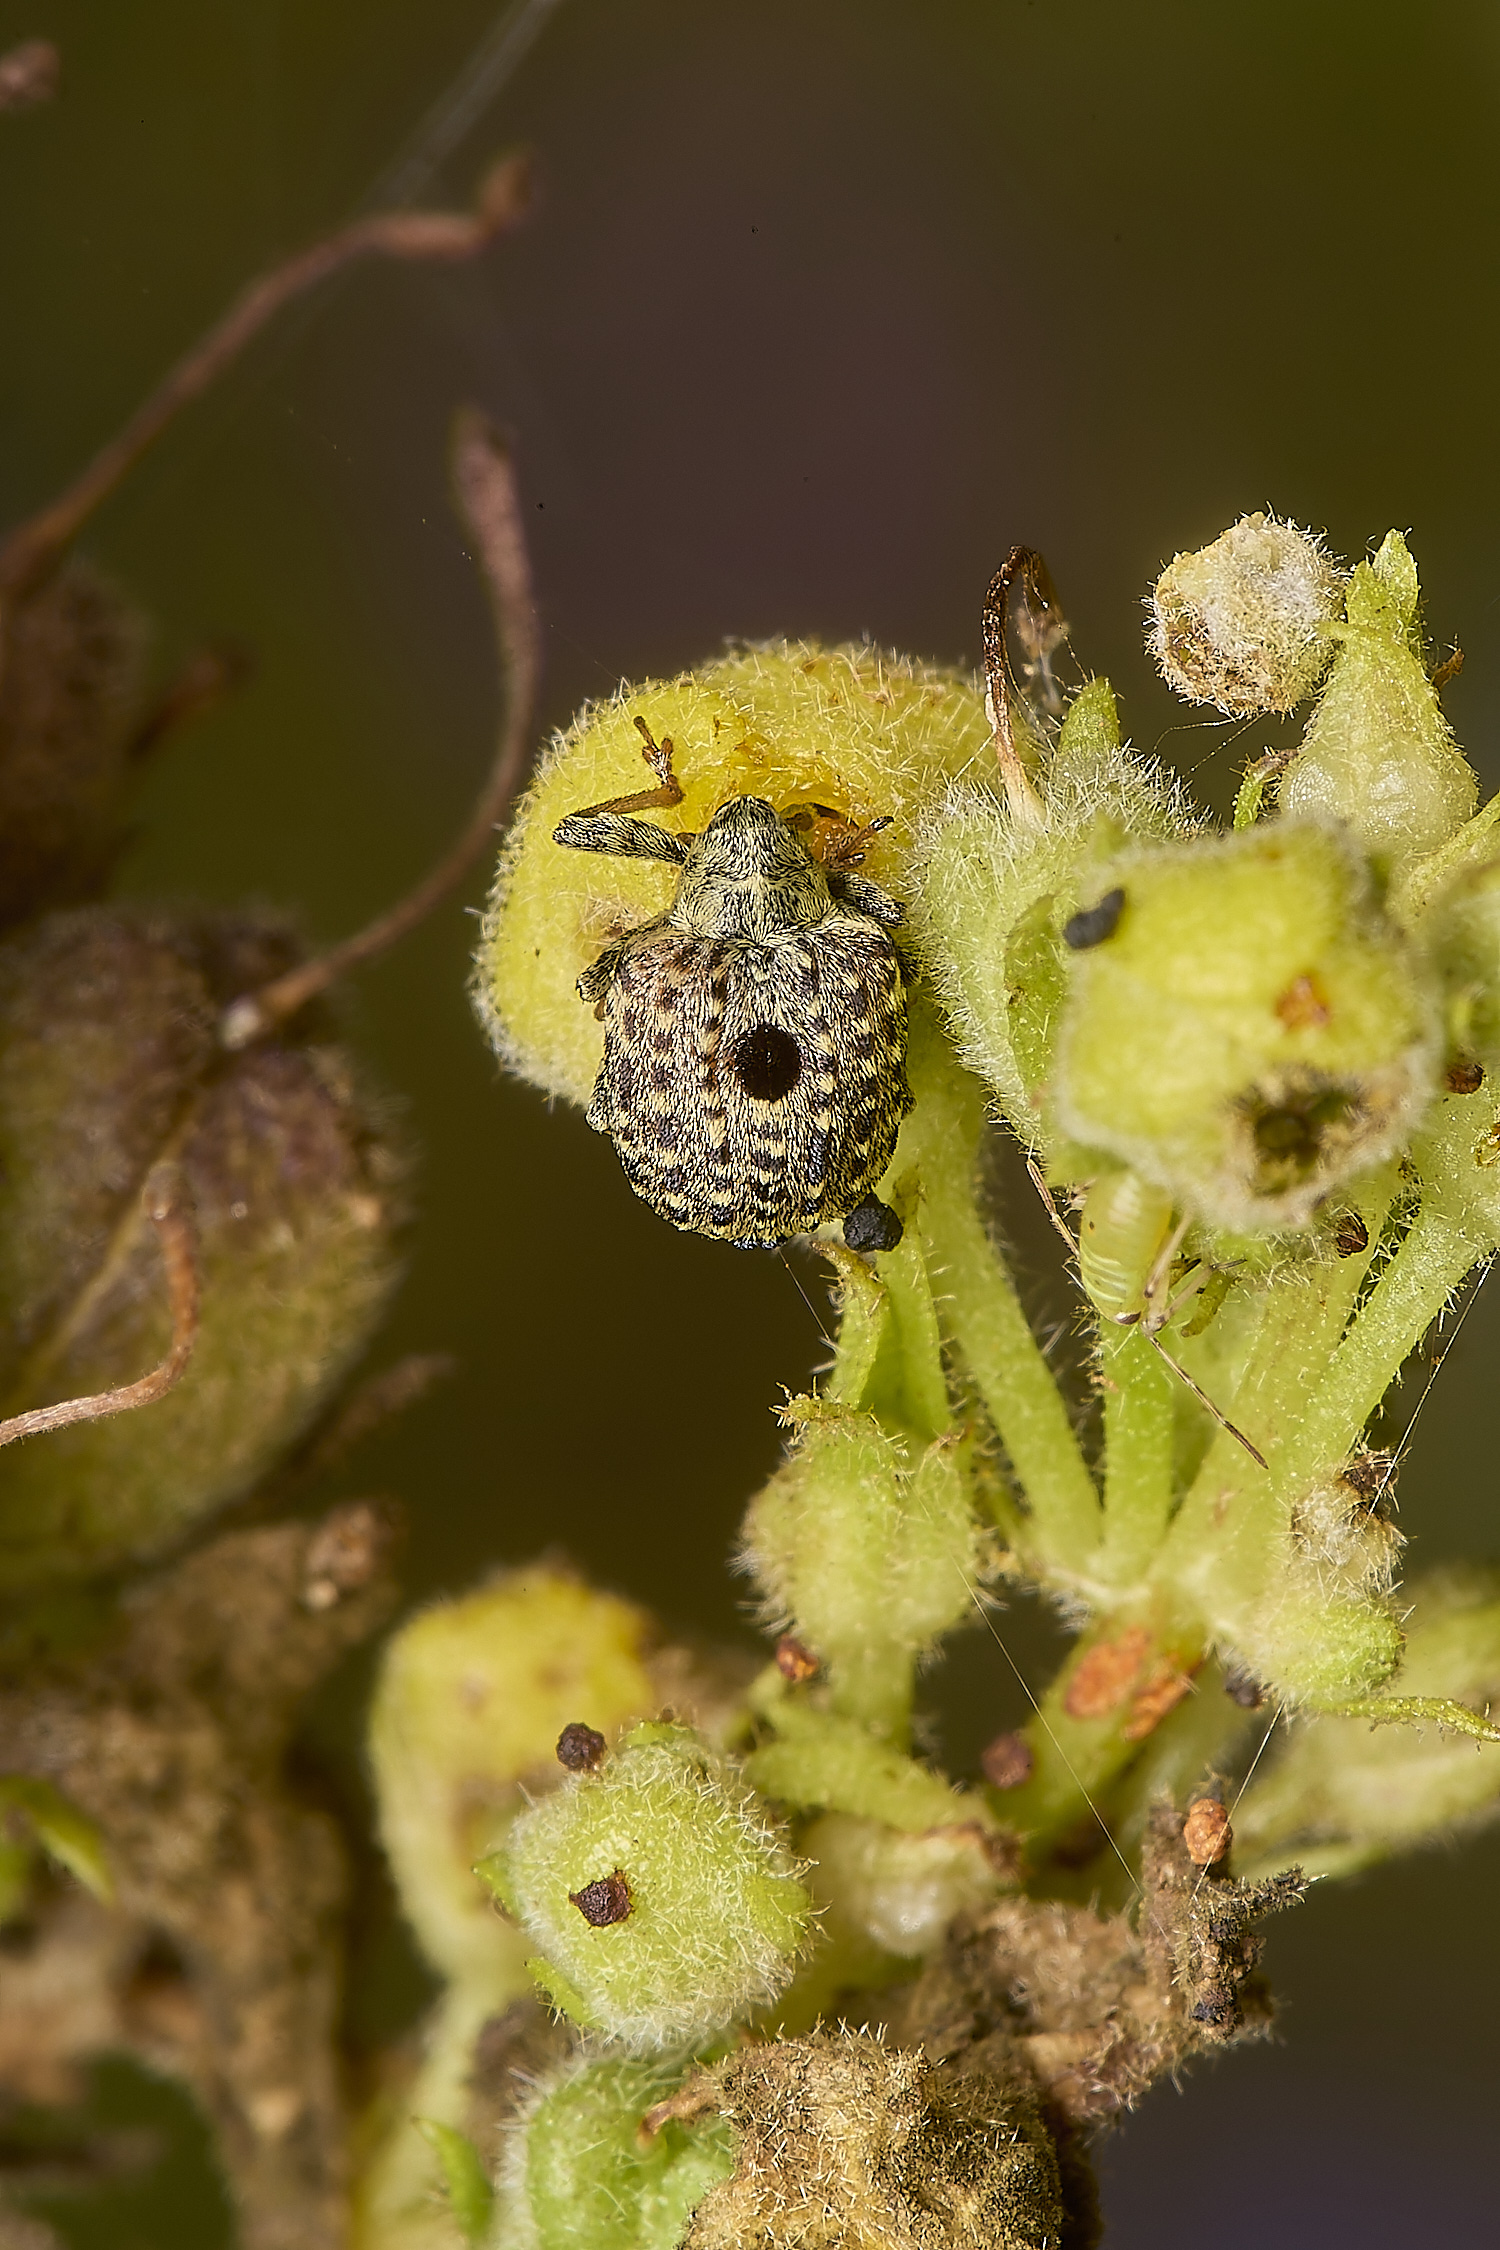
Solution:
(766, 1061)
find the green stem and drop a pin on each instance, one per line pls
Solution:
(1013, 1379)
(1138, 1422)
(1436, 1255)
(934, 1177)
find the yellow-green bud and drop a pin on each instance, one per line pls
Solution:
(472, 1697)
(664, 1901)
(900, 1891)
(1240, 623)
(1463, 936)
(109, 1061)
(866, 1558)
(1343, 1794)
(1378, 753)
(1315, 1648)
(580, 2169)
(991, 895)
(1249, 1030)
(863, 734)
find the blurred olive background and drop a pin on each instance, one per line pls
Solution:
(825, 304)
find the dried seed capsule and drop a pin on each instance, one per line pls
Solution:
(108, 1061)
(1238, 624)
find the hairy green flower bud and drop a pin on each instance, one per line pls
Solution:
(1240, 624)
(1314, 1648)
(109, 1062)
(1250, 1030)
(664, 1901)
(1378, 753)
(867, 1558)
(834, 737)
(1463, 936)
(580, 2170)
(70, 663)
(472, 1697)
(1343, 1794)
(991, 895)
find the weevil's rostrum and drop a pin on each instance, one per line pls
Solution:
(754, 1072)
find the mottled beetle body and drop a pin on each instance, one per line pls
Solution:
(754, 1072)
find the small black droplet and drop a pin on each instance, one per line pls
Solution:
(1093, 924)
(872, 1225)
(608, 1900)
(579, 1748)
(767, 1062)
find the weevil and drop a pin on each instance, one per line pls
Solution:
(754, 1072)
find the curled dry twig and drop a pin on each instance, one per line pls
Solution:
(35, 548)
(485, 489)
(177, 1236)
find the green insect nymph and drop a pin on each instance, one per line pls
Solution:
(754, 1072)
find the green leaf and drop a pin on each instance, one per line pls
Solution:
(63, 1832)
(470, 2195)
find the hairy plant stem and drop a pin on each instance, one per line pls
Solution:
(981, 1314)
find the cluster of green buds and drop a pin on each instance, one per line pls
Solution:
(1250, 1068)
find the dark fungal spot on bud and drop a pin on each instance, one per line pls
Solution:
(1093, 924)
(767, 1062)
(1350, 1235)
(606, 1901)
(579, 1748)
(1463, 1076)
(795, 1661)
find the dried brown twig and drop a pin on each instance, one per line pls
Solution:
(35, 548)
(176, 1234)
(485, 488)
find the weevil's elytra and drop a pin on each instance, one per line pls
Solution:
(754, 1072)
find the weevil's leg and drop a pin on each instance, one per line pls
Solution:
(865, 898)
(872, 1225)
(1201, 1395)
(1152, 1315)
(620, 836)
(597, 979)
(1049, 1205)
(668, 790)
